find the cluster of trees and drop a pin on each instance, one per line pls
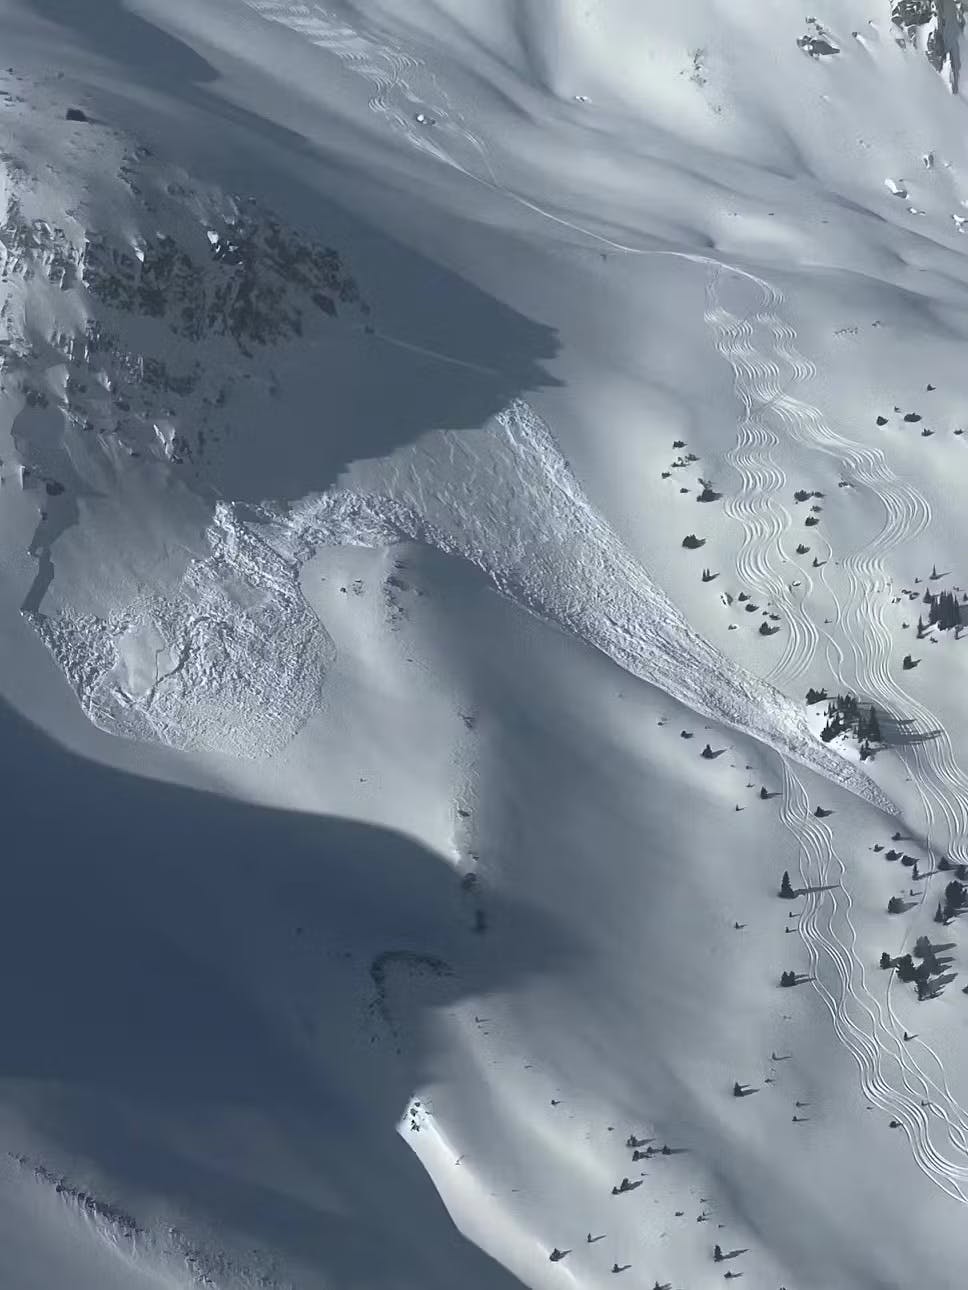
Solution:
(954, 900)
(944, 611)
(845, 715)
(788, 978)
(909, 862)
(919, 973)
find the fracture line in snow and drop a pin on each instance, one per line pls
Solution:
(435, 354)
(765, 522)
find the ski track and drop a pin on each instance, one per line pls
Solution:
(762, 384)
(764, 519)
(858, 1020)
(391, 74)
(861, 617)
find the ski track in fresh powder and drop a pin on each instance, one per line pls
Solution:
(764, 377)
(942, 786)
(502, 498)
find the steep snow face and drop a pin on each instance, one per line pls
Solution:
(445, 440)
(230, 294)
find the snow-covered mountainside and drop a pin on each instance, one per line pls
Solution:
(482, 586)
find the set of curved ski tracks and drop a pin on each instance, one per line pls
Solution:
(392, 75)
(905, 1079)
(765, 376)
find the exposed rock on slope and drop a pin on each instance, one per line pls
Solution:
(936, 27)
(124, 351)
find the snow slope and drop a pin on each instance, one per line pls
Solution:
(370, 908)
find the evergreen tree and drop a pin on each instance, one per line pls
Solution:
(954, 898)
(905, 968)
(786, 890)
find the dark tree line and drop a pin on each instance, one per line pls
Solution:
(846, 716)
(919, 973)
(944, 611)
(954, 900)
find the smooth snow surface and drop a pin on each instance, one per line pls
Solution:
(442, 442)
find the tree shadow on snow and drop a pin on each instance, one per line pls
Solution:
(189, 1003)
(899, 732)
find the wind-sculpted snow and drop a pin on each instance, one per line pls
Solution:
(233, 662)
(505, 499)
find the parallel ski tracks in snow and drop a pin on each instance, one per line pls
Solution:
(861, 615)
(764, 385)
(868, 1031)
(765, 520)
(393, 76)
(765, 378)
